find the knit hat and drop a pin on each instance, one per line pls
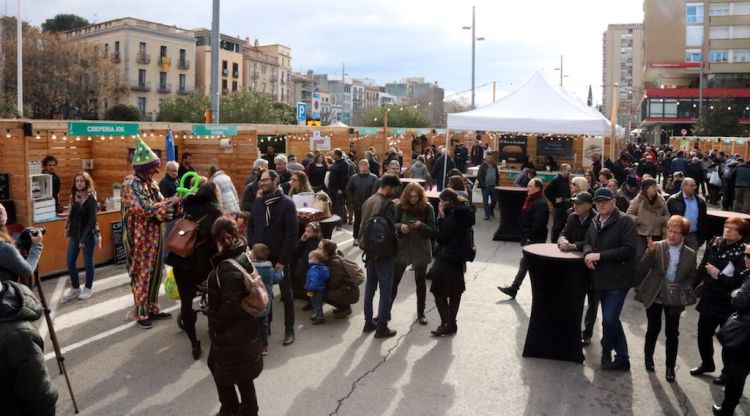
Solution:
(3, 215)
(144, 159)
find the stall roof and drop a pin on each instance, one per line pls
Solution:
(535, 107)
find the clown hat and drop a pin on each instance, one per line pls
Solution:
(143, 154)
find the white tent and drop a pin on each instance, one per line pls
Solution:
(535, 107)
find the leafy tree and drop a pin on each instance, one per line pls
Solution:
(721, 118)
(63, 22)
(398, 116)
(252, 107)
(123, 112)
(184, 109)
(460, 105)
(62, 76)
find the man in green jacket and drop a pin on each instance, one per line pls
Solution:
(25, 387)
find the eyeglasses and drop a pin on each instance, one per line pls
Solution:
(730, 228)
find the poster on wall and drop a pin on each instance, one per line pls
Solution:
(592, 145)
(512, 149)
(318, 142)
(559, 147)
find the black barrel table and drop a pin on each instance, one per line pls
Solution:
(511, 201)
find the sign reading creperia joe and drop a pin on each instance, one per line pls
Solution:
(214, 130)
(102, 129)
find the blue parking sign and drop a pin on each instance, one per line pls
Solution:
(301, 111)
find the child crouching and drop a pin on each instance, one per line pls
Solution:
(317, 277)
(270, 277)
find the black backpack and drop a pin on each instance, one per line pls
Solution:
(379, 236)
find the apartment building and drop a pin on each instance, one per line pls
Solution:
(301, 87)
(623, 65)
(260, 70)
(231, 60)
(283, 56)
(427, 96)
(340, 90)
(154, 60)
(681, 41)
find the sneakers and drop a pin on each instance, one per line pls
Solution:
(85, 293)
(318, 320)
(145, 324)
(71, 294)
(288, 337)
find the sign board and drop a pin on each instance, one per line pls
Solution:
(555, 147)
(118, 248)
(592, 145)
(398, 131)
(316, 106)
(301, 113)
(214, 130)
(423, 131)
(512, 149)
(313, 123)
(321, 142)
(368, 131)
(102, 129)
(684, 132)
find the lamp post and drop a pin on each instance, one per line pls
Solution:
(474, 39)
(562, 75)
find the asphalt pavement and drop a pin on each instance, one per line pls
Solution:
(118, 369)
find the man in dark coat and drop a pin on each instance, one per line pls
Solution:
(274, 223)
(169, 183)
(439, 169)
(186, 164)
(337, 181)
(462, 157)
(596, 165)
(609, 251)
(693, 207)
(572, 238)
(270, 155)
(558, 193)
(25, 386)
(534, 218)
(358, 189)
(477, 151)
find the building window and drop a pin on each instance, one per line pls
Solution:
(718, 56)
(141, 104)
(182, 55)
(718, 32)
(234, 85)
(182, 82)
(141, 77)
(162, 80)
(656, 108)
(741, 55)
(142, 47)
(106, 49)
(740, 32)
(224, 68)
(670, 108)
(117, 46)
(163, 51)
(719, 9)
(693, 35)
(224, 88)
(235, 70)
(693, 55)
(741, 9)
(694, 13)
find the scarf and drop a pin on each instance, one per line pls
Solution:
(269, 201)
(530, 200)
(81, 196)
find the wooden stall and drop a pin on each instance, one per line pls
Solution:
(728, 145)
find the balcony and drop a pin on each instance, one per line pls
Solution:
(143, 58)
(224, 72)
(141, 86)
(185, 90)
(115, 57)
(235, 74)
(183, 64)
(165, 88)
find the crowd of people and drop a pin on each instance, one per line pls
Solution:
(638, 222)
(641, 225)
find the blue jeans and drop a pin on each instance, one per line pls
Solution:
(317, 303)
(88, 260)
(487, 196)
(613, 336)
(379, 272)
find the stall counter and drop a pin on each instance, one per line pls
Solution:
(54, 256)
(508, 175)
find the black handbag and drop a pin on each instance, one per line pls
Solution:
(734, 335)
(676, 294)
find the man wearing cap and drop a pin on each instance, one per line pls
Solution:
(558, 192)
(572, 238)
(609, 251)
(144, 209)
(693, 207)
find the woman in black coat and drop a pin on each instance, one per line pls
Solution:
(307, 242)
(719, 273)
(235, 359)
(189, 272)
(456, 217)
(316, 171)
(534, 218)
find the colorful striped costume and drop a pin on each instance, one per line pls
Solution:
(143, 213)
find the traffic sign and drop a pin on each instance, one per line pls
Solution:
(316, 106)
(684, 132)
(301, 112)
(313, 122)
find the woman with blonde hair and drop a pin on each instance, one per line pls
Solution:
(299, 183)
(80, 230)
(415, 225)
(579, 184)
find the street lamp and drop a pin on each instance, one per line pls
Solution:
(474, 39)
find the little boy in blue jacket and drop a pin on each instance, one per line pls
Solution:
(317, 277)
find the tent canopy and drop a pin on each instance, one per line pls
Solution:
(535, 107)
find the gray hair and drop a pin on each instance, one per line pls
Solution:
(280, 158)
(394, 163)
(260, 164)
(173, 163)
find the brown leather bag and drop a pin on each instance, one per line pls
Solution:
(183, 237)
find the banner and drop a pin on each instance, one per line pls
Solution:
(512, 149)
(101, 128)
(592, 145)
(555, 147)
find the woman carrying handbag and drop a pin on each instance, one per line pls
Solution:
(671, 269)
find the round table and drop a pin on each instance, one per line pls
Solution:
(510, 199)
(715, 221)
(559, 281)
(421, 182)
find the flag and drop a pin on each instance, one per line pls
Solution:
(170, 146)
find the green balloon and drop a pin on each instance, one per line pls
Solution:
(182, 192)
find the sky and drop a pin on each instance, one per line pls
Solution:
(388, 40)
